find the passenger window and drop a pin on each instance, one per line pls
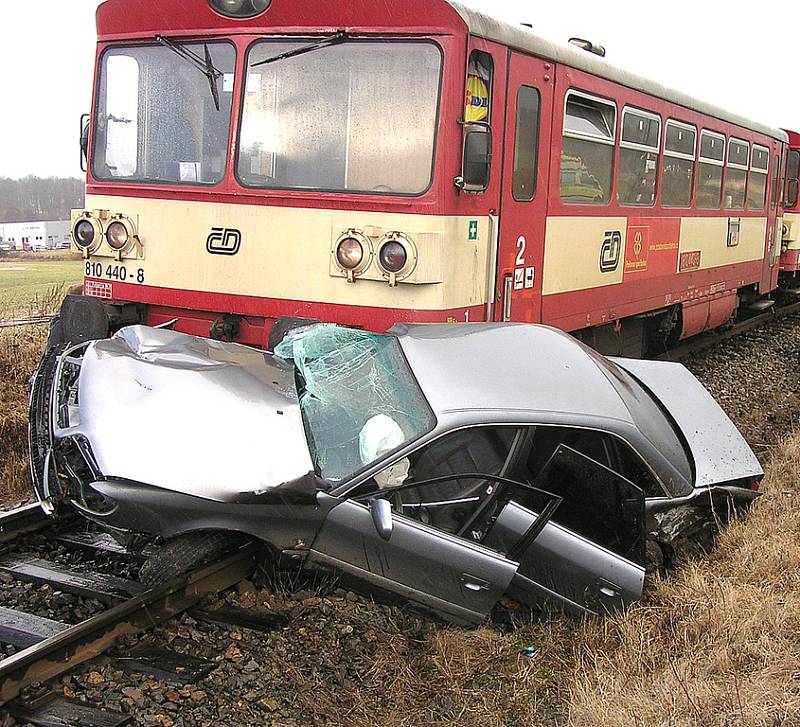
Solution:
(526, 144)
(587, 155)
(478, 102)
(638, 158)
(736, 177)
(712, 163)
(680, 146)
(449, 505)
(757, 183)
(792, 178)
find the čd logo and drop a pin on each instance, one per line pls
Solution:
(224, 241)
(610, 250)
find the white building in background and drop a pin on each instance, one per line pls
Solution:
(34, 235)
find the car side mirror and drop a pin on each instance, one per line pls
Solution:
(477, 161)
(381, 511)
(84, 141)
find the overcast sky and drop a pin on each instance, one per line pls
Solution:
(714, 50)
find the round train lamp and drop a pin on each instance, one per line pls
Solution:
(84, 234)
(393, 257)
(239, 8)
(117, 236)
(349, 253)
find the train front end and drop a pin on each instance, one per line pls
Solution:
(252, 162)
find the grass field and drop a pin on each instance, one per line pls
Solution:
(30, 285)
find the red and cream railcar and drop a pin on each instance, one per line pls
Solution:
(258, 160)
(790, 250)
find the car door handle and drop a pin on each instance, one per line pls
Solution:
(474, 584)
(609, 590)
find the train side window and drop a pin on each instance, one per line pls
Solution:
(638, 158)
(710, 168)
(587, 154)
(480, 75)
(736, 176)
(792, 178)
(680, 150)
(757, 184)
(526, 144)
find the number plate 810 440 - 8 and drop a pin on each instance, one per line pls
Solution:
(119, 273)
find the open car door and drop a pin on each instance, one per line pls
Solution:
(451, 574)
(590, 556)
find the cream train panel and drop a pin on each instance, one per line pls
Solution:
(709, 235)
(573, 250)
(286, 252)
(791, 226)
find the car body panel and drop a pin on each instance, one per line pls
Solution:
(440, 572)
(200, 417)
(719, 451)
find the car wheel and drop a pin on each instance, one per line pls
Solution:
(184, 554)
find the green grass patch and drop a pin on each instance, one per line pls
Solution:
(29, 287)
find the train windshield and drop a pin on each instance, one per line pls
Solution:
(159, 119)
(355, 116)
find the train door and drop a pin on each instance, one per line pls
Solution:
(772, 244)
(523, 209)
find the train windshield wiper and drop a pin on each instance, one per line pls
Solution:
(204, 64)
(339, 37)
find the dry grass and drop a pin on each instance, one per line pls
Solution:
(20, 349)
(720, 642)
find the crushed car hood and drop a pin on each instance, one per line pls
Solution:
(720, 452)
(201, 417)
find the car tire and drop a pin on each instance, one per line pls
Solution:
(184, 554)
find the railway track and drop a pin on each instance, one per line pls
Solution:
(19, 322)
(46, 649)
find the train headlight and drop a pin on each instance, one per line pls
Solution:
(117, 236)
(397, 256)
(352, 253)
(349, 253)
(84, 234)
(239, 8)
(393, 257)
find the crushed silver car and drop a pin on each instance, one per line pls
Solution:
(447, 465)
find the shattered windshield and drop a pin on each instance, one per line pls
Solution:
(358, 396)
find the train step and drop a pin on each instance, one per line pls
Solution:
(761, 305)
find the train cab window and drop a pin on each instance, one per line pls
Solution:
(680, 148)
(710, 169)
(526, 144)
(792, 178)
(736, 176)
(638, 158)
(757, 184)
(587, 155)
(480, 76)
(157, 120)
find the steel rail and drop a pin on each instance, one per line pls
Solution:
(712, 338)
(21, 520)
(32, 321)
(64, 651)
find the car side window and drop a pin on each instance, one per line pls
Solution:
(450, 505)
(603, 448)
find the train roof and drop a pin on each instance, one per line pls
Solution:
(130, 19)
(523, 38)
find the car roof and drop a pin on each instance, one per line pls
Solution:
(508, 366)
